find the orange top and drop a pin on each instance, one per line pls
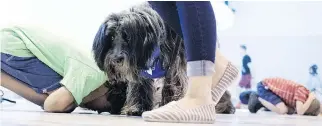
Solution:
(288, 90)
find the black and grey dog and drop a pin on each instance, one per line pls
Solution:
(136, 47)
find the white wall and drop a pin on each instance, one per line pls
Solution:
(276, 18)
(74, 18)
(283, 38)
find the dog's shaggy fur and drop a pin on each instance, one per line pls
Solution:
(123, 48)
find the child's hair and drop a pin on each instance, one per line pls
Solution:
(314, 70)
(314, 109)
(225, 106)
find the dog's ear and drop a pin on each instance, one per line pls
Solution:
(101, 45)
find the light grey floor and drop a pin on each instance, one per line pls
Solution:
(26, 114)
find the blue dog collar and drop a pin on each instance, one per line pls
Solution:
(155, 70)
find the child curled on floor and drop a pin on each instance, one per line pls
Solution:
(51, 71)
(283, 97)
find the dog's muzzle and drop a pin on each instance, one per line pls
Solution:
(118, 60)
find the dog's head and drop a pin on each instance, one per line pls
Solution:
(125, 41)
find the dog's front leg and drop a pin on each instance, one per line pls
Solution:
(174, 85)
(139, 97)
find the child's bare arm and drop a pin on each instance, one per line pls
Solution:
(60, 100)
(302, 107)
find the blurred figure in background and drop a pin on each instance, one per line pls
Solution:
(315, 84)
(245, 82)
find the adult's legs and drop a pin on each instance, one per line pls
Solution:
(198, 28)
(168, 12)
(199, 52)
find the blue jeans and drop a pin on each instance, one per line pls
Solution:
(32, 72)
(267, 94)
(195, 22)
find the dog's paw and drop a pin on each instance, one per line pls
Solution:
(132, 111)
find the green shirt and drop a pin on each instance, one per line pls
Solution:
(71, 59)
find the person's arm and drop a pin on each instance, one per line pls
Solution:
(60, 101)
(301, 108)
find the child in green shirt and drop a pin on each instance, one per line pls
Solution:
(51, 71)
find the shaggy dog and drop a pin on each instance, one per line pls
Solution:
(136, 48)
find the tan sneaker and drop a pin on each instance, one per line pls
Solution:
(225, 74)
(175, 114)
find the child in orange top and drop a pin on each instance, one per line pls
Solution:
(283, 96)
